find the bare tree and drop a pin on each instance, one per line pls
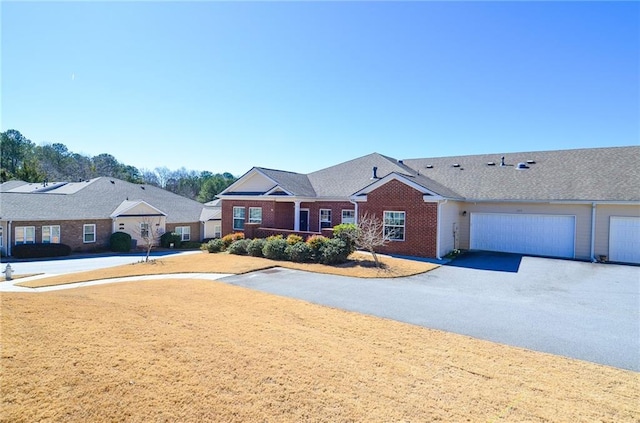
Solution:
(370, 235)
(149, 232)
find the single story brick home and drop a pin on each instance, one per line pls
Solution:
(578, 204)
(84, 214)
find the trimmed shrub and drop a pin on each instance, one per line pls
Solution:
(334, 251)
(229, 238)
(274, 249)
(299, 252)
(255, 247)
(120, 242)
(41, 250)
(190, 245)
(294, 239)
(316, 242)
(238, 247)
(214, 246)
(169, 238)
(347, 232)
(270, 237)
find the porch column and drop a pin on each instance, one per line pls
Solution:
(296, 215)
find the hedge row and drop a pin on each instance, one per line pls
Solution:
(316, 249)
(40, 250)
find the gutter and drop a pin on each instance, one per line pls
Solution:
(9, 240)
(355, 204)
(593, 233)
(438, 231)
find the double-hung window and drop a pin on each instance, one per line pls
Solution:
(348, 216)
(184, 232)
(51, 234)
(325, 218)
(25, 235)
(89, 233)
(238, 218)
(255, 214)
(144, 230)
(394, 224)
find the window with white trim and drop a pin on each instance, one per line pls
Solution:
(325, 218)
(217, 231)
(184, 232)
(348, 216)
(25, 235)
(144, 230)
(51, 234)
(89, 233)
(255, 214)
(394, 224)
(238, 218)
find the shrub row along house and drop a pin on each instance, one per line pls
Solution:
(83, 215)
(578, 204)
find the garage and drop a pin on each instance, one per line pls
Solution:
(534, 234)
(624, 239)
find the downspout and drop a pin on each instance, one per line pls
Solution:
(355, 204)
(593, 232)
(438, 223)
(9, 240)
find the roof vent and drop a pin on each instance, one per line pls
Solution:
(374, 173)
(141, 186)
(502, 161)
(455, 165)
(429, 166)
(531, 162)
(401, 161)
(113, 182)
(522, 166)
(491, 164)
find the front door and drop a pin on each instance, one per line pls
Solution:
(304, 220)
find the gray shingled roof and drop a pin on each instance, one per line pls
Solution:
(97, 199)
(296, 183)
(598, 174)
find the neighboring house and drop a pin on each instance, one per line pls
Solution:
(211, 217)
(84, 214)
(579, 204)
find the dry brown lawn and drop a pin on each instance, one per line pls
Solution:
(359, 265)
(189, 350)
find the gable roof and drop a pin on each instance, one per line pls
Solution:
(94, 199)
(591, 174)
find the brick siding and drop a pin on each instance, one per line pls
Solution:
(421, 219)
(71, 233)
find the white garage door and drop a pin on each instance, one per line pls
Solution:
(624, 239)
(535, 234)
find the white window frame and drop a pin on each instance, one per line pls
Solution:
(239, 216)
(217, 230)
(184, 232)
(255, 219)
(351, 219)
(391, 224)
(50, 237)
(24, 236)
(145, 230)
(324, 220)
(85, 232)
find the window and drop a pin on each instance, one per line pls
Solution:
(144, 230)
(238, 218)
(348, 216)
(325, 218)
(255, 214)
(88, 233)
(25, 235)
(184, 232)
(51, 234)
(217, 231)
(394, 225)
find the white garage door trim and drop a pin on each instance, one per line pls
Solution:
(533, 234)
(624, 239)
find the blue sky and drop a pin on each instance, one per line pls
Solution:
(224, 86)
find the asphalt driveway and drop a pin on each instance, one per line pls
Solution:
(588, 311)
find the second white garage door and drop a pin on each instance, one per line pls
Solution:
(535, 234)
(624, 239)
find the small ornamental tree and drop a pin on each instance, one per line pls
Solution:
(370, 235)
(149, 233)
